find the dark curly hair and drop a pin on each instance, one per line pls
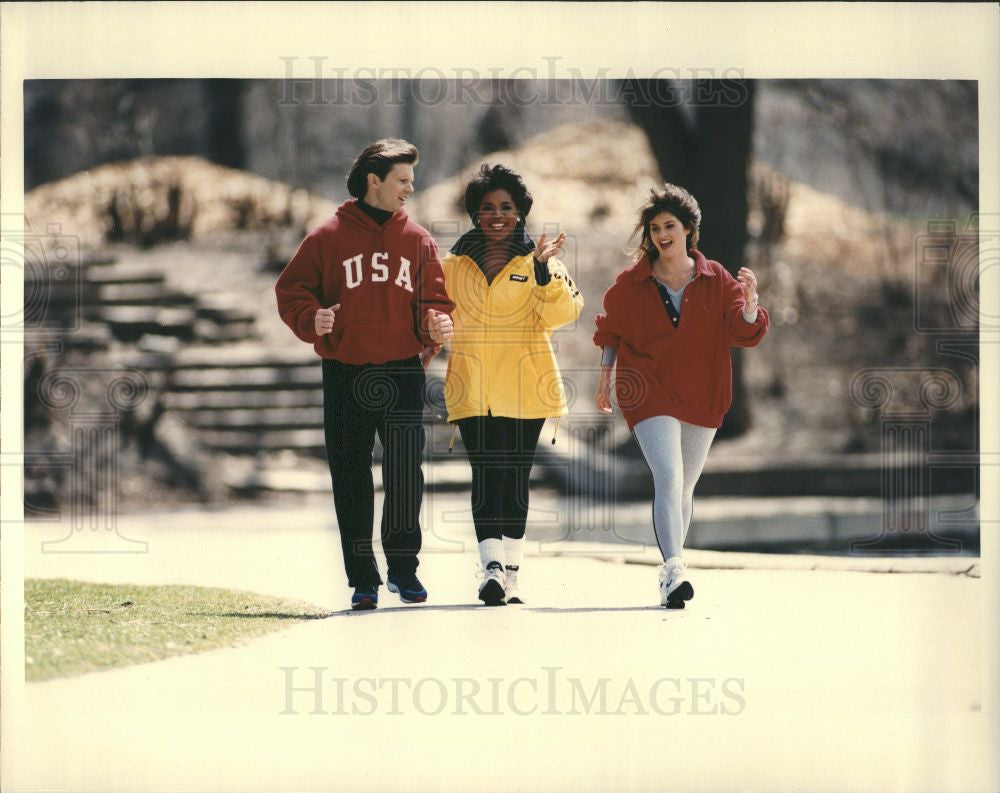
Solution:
(496, 177)
(379, 158)
(679, 203)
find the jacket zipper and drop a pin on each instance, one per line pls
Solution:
(489, 322)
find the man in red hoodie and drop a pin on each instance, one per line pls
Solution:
(367, 291)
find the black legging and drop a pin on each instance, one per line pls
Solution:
(501, 451)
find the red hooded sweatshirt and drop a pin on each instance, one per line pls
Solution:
(384, 277)
(684, 371)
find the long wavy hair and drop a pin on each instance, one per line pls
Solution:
(679, 203)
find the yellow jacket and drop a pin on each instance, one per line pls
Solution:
(501, 358)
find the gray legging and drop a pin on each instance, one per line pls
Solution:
(675, 453)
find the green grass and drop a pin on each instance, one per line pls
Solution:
(72, 627)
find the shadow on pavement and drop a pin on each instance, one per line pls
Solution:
(587, 610)
(275, 615)
(413, 608)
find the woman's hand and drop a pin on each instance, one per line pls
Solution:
(603, 396)
(439, 326)
(428, 353)
(749, 283)
(544, 249)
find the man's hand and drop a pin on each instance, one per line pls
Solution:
(439, 326)
(324, 319)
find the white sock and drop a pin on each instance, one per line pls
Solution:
(512, 550)
(675, 561)
(490, 550)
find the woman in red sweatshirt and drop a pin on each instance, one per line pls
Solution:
(669, 322)
(367, 291)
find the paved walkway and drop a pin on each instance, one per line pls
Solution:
(774, 678)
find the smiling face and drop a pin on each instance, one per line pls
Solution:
(497, 215)
(390, 193)
(668, 235)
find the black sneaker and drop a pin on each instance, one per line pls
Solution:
(409, 588)
(491, 591)
(365, 598)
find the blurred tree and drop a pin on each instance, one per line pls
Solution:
(225, 122)
(502, 124)
(701, 132)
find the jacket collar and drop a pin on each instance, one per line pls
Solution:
(643, 271)
(473, 243)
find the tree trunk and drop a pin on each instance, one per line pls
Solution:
(225, 121)
(702, 141)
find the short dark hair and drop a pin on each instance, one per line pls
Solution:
(496, 177)
(679, 203)
(378, 158)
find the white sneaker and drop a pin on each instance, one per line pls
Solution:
(491, 591)
(674, 586)
(510, 587)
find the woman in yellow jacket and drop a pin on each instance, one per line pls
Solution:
(503, 381)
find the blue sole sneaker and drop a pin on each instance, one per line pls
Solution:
(409, 589)
(364, 599)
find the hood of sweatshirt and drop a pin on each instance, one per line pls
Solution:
(351, 215)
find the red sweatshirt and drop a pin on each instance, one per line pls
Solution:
(684, 372)
(384, 277)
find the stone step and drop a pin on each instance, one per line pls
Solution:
(166, 346)
(261, 420)
(246, 378)
(247, 355)
(92, 297)
(66, 317)
(142, 295)
(796, 524)
(59, 294)
(439, 477)
(97, 260)
(88, 337)
(135, 293)
(208, 332)
(130, 323)
(224, 364)
(123, 275)
(204, 401)
(226, 315)
(726, 475)
(309, 442)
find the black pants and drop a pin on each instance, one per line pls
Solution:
(501, 451)
(359, 401)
